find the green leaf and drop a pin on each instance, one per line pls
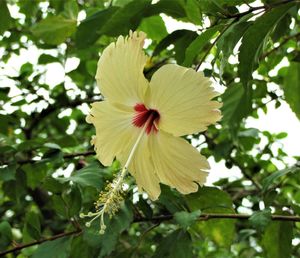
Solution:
(59, 248)
(71, 10)
(174, 8)
(114, 227)
(5, 18)
(176, 245)
(126, 18)
(193, 11)
(46, 59)
(88, 30)
(35, 173)
(229, 40)
(291, 87)
(73, 200)
(237, 104)
(5, 235)
(186, 219)
(281, 135)
(181, 40)
(91, 175)
(32, 226)
(277, 239)
(213, 200)
(8, 173)
(54, 30)
(271, 179)
(197, 46)
(254, 40)
(154, 27)
(260, 219)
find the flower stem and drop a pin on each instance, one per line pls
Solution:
(109, 200)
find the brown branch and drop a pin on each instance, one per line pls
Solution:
(65, 156)
(237, 16)
(37, 242)
(157, 220)
(262, 7)
(208, 216)
(37, 117)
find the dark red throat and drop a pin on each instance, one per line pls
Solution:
(146, 116)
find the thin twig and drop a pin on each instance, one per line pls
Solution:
(213, 43)
(263, 7)
(285, 40)
(208, 216)
(37, 242)
(65, 156)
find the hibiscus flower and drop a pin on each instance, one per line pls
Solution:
(140, 122)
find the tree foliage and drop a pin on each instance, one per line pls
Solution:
(48, 172)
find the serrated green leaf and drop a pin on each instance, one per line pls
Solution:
(176, 245)
(291, 87)
(54, 29)
(254, 39)
(186, 219)
(277, 239)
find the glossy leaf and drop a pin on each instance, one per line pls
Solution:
(255, 38)
(291, 87)
(213, 200)
(196, 47)
(86, 33)
(59, 248)
(175, 245)
(277, 239)
(91, 175)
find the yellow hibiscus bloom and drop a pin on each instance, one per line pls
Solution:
(140, 122)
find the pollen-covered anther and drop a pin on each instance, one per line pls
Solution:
(144, 116)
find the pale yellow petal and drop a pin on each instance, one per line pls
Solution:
(115, 133)
(177, 163)
(183, 99)
(142, 169)
(120, 70)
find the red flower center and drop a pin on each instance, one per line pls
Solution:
(143, 116)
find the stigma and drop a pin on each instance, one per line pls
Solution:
(146, 117)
